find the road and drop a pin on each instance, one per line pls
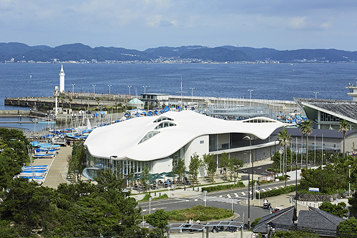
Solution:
(222, 199)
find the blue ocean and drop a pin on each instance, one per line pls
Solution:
(268, 81)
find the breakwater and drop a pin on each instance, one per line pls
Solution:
(218, 105)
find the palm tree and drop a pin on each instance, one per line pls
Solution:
(284, 140)
(306, 130)
(344, 129)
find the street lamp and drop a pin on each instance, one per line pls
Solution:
(192, 93)
(251, 161)
(109, 88)
(296, 195)
(144, 88)
(250, 97)
(111, 162)
(73, 87)
(94, 88)
(129, 89)
(316, 94)
(349, 180)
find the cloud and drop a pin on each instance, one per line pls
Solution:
(305, 23)
(125, 23)
(165, 23)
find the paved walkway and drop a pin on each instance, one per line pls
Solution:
(57, 168)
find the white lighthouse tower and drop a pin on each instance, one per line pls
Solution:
(61, 74)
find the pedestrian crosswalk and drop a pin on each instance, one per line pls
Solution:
(236, 197)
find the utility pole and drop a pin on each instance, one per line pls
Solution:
(250, 97)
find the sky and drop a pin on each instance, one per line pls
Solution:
(142, 24)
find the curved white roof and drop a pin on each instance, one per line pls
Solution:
(122, 139)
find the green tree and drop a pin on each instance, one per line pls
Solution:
(237, 164)
(194, 166)
(159, 220)
(306, 130)
(344, 129)
(284, 140)
(14, 154)
(347, 228)
(225, 163)
(178, 167)
(77, 161)
(131, 176)
(337, 210)
(330, 179)
(210, 165)
(107, 180)
(145, 177)
(353, 202)
(27, 204)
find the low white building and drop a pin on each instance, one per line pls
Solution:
(155, 141)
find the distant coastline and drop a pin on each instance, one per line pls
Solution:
(79, 53)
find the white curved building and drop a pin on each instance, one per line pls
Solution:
(155, 141)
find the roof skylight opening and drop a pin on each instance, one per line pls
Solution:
(148, 136)
(165, 124)
(259, 120)
(163, 118)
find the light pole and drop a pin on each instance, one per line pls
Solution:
(144, 88)
(73, 87)
(109, 88)
(129, 89)
(251, 161)
(316, 94)
(94, 88)
(250, 97)
(150, 198)
(232, 205)
(296, 195)
(205, 193)
(192, 93)
(349, 180)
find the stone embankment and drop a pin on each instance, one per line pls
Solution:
(320, 197)
(5, 113)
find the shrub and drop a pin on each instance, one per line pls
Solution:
(255, 222)
(276, 192)
(223, 187)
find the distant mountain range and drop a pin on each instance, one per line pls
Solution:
(18, 52)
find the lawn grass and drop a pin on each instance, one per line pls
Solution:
(198, 212)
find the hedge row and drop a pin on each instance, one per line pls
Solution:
(223, 187)
(147, 196)
(276, 192)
